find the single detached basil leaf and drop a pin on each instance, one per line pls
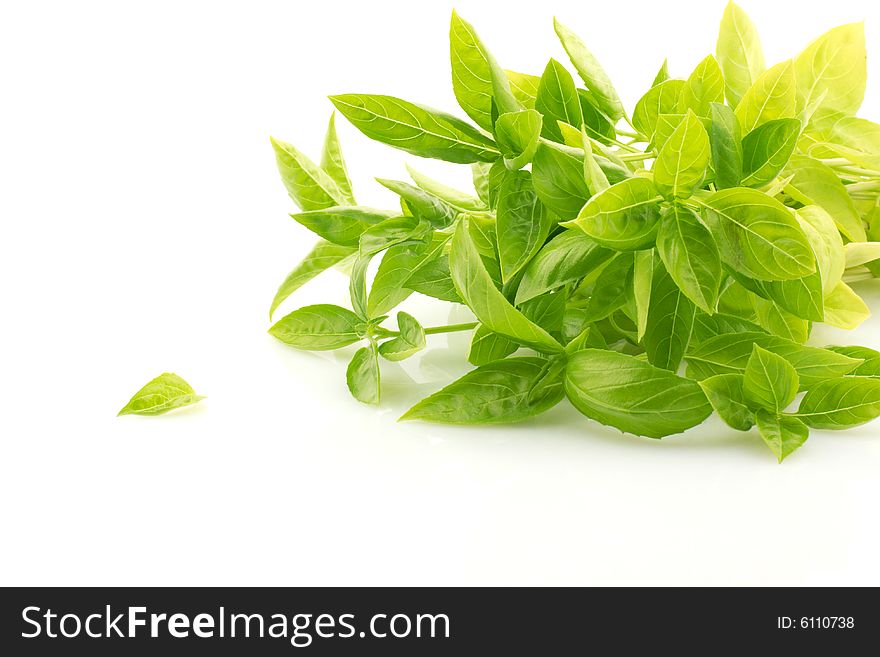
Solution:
(558, 177)
(498, 392)
(416, 129)
(518, 134)
(624, 217)
(319, 327)
(566, 258)
(772, 96)
(783, 434)
(522, 223)
(814, 183)
(341, 225)
(841, 403)
(477, 79)
(730, 353)
(669, 322)
(758, 236)
(834, 65)
(164, 393)
(681, 164)
(660, 99)
(557, 100)
(362, 375)
(725, 142)
(704, 87)
(458, 200)
(769, 381)
(625, 392)
(410, 341)
(739, 53)
(691, 256)
(487, 346)
(725, 393)
(310, 187)
(767, 149)
(333, 163)
(423, 205)
(323, 256)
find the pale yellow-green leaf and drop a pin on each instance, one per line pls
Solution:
(772, 96)
(844, 308)
(681, 164)
(834, 63)
(739, 52)
(822, 233)
(861, 253)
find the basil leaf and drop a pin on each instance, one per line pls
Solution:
(598, 126)
(780, 322)
(725, 393)
(708, 326)
(518, 134)
(833, 68)
(644, 264)
(566, 258)
(487, 346)
(522, 223)
(758, 236)
(739, 53)
(362, 375)
(498, 392)
(415, 129)
(422, 204)
(783, 434)
(767, 149)
(410, 341)
(434, 280)
(769, 381)
(669, 324)
(662, 74)
(729, 354)
(681, 164)
(524, 87)
(703, 87)
(310, 187)
(323, 256)
(726, 146)
(660, 99)
(458, 200)
(841, 403)
(632, 395)
(856, 139)
(319, 328)
(844, 308)
(691, 256)
(816, 184)
(476, 288)
(341, 225)
(164, 393)
(824, 237)
(547, 311)
(591, 72)
(611, 287)
(624, 217)
(557, 100)
(399, 264)
(871, 365)
(558, 177)
(772, 96)
(333, 163)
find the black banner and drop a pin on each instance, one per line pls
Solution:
(428, 621)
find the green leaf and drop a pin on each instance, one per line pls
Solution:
(487, 347)
(591, 72)
(453, 197)
(802, 297)
(566, 258)
(779, 321)
(681, 164)
(690, 255)
(767, 149)
(323, 256)
(662, 74)
(164, 393)
(858, 140)
(475, 287)
(547, 311)
(841, 403)
(860, 253)
(557, 100)
(498, 392)
(783, 434)
(422, 204)
(398, 266)
(611, 288)
(434, 280)
(708, 326)
(597, 124)
(522, 223)
(824, 237)
(518, 134)
(772, 96)
(624, 217)
(834, 65)
(416, 129)
(725, 393)
(729, 354)
(669, 323)
(660, 99)
(769, 381)
(362, 375)
(632, 395)
(477, 79)
(524, 87)
(816, 184)
(726, 146)
(333, 163)
(319, 328)
(644, 264)
(757, 235)
(704, 86)
(558, 177)
(341, 225)
(871, 365)
(739, 53)
(310, 187)
(410, 341)
(844, 308)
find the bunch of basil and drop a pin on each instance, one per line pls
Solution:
(711, 227)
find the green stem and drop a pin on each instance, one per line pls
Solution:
(637, 157)
(868, 186)
(450, 328)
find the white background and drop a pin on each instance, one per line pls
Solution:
(145, 230)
